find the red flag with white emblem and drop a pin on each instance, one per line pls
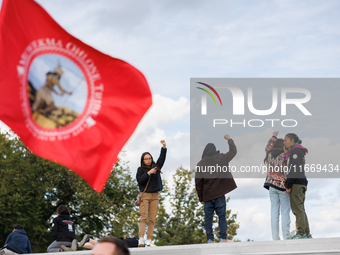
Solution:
(66, 101)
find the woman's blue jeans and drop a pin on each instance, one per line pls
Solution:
(279, 199)
(217, 205)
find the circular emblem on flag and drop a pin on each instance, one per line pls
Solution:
(57, 91)
(61, 89)
(295, 156)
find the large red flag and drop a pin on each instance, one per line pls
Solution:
(66, 101)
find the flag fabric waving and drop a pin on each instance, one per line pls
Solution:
(66, 101)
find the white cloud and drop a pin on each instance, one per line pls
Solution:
(249, 188)
(160, 122)
(164, 110)
(252, 215)
(321, 150)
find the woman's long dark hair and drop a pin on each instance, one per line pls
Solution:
(277, 145)
(142, 160)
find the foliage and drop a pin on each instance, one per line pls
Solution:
(32, 188)
(185, 224)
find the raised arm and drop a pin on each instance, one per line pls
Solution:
(272, 140)
(232, 148)
(162, 156)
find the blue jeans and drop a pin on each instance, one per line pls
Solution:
(219, 206)
(279, 199)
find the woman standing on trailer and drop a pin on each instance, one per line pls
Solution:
(275, 183)
(296, 185)
(149, 175)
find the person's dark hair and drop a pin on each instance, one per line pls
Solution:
(18, 226)
(278, 144)
(142, 160)
(294, 137)
(62, 209)
(121, 247)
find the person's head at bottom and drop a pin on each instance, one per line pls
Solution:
(110, 246)
(17, 227)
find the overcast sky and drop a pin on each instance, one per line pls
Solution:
(173, 41)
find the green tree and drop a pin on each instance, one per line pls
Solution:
(185, 224)
(32, 188)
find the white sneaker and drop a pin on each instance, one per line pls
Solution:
(149, 243)
(141, 242)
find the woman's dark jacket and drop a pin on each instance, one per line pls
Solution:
(63, 228)
(210, 185)
(142, 175)
(296, 167)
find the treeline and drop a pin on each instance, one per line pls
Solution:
(31, 189)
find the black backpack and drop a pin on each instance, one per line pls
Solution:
(131, 242)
